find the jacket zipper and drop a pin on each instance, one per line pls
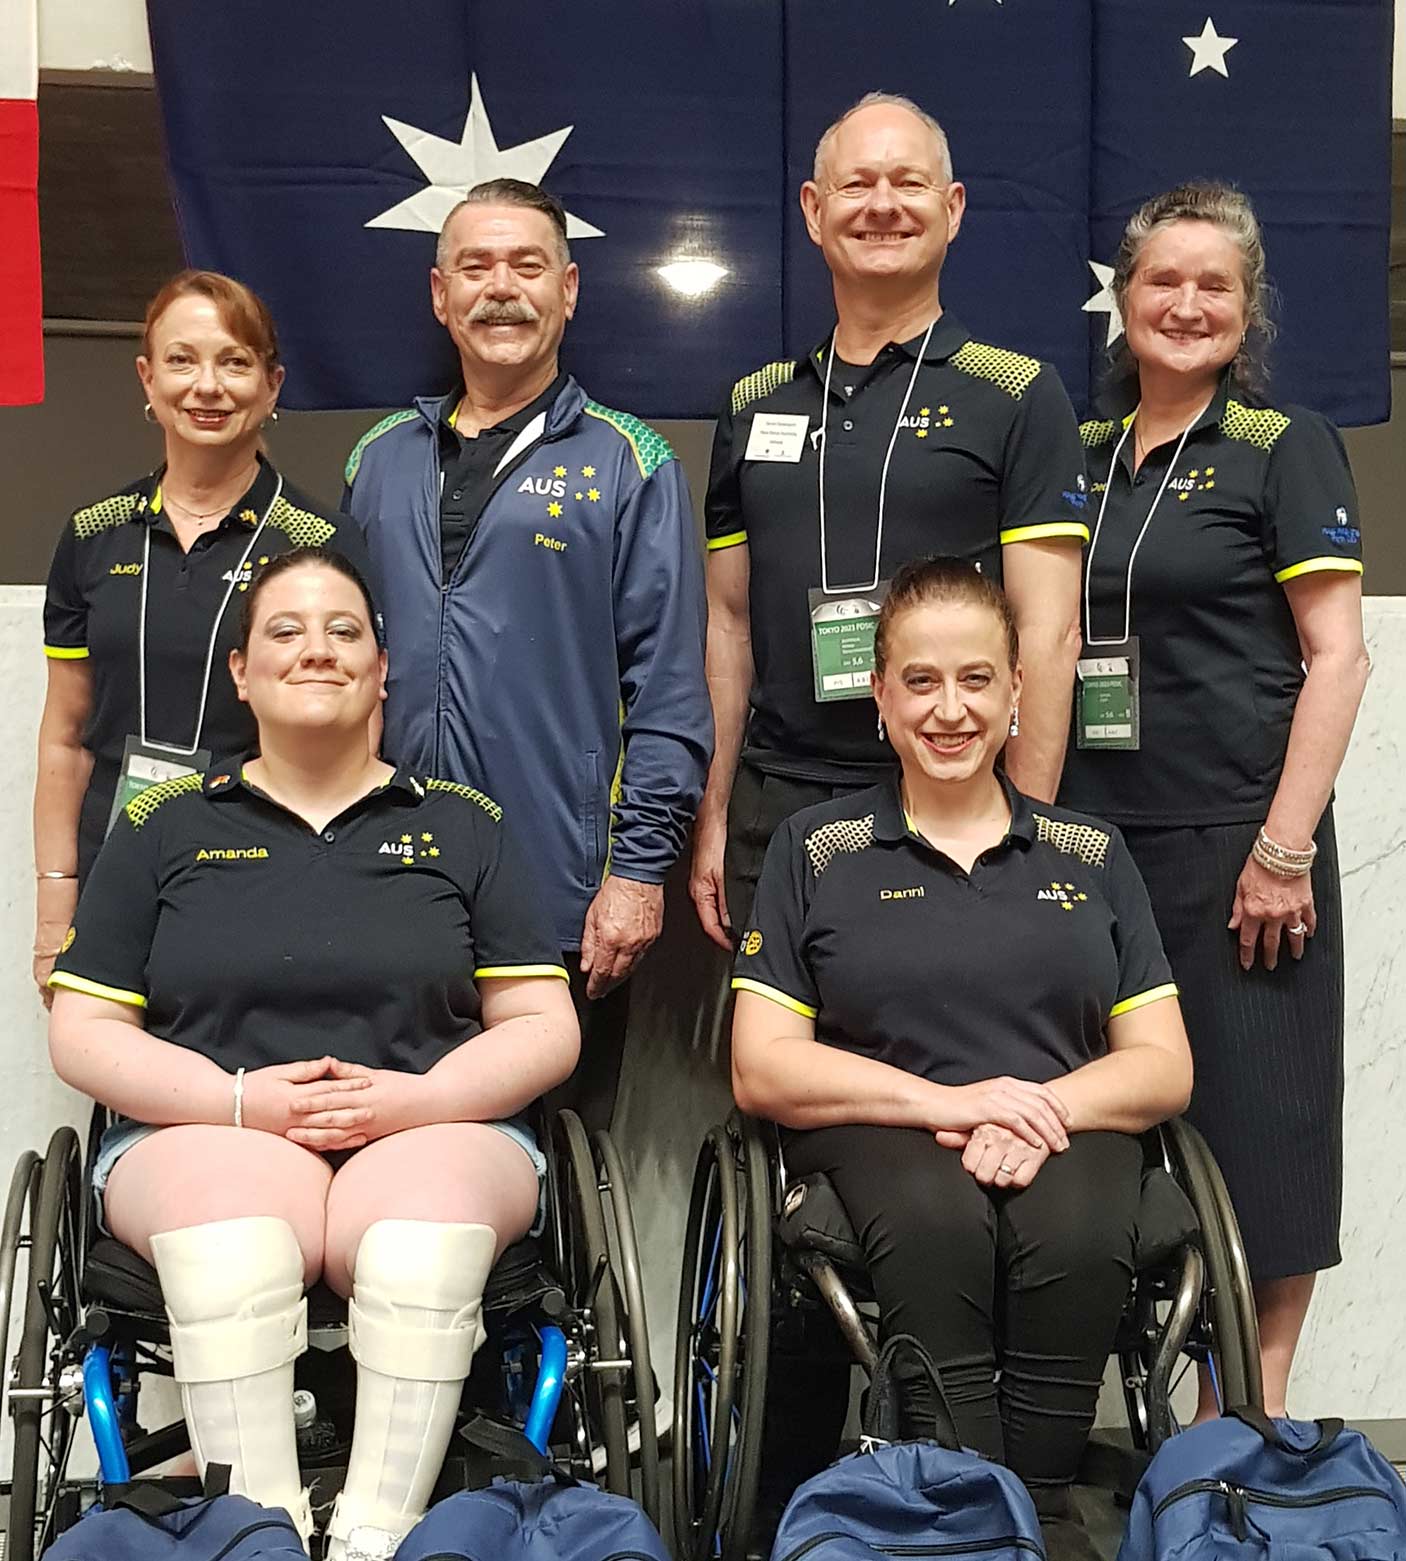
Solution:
(244, 1533)
(957, 1548)
(1238, 1496)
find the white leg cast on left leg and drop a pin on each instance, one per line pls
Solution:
(415, 1323)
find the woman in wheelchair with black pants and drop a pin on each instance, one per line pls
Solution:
(956, 1002)
(320, 989)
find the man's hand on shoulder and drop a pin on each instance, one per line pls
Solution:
(624, 919)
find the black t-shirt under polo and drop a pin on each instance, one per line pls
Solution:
(988, 455)
(1259, 497)
(93, 602)
(897, 954)
(468, 468)
(253, 939)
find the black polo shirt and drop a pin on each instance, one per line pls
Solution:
(92, 605)
(988, 456)
(897, 954)
(1259, 496)
(469, 467)
(253, 939)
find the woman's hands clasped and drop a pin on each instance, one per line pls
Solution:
(327, 1104)
(1005, 1129)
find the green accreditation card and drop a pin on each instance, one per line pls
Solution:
(1107, 712)
(144, 764)
(842, 640)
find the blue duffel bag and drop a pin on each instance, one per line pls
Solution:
(146, 1523)
(909, 1498)
(1267, 1490)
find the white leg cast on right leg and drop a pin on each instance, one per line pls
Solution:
(234, 1296)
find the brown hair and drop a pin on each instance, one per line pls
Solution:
(302, 558)
(242, 312)
(509, 192)
(1228, 209)
(941, 578)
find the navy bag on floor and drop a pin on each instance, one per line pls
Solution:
(908, 1498)
(148, 1524)
(546, 1517)
(1268, 1490)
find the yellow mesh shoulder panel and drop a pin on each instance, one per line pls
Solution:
(141, 808)
(1259, 426)
(1097, 432)
(386, 423)
(830, 840)
(489, 806)
(1090, 845)
(300, 526)
(107, 512)
(1012, 371)
(761, 382)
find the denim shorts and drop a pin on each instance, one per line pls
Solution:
(121, 1136)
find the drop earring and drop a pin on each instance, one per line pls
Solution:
(1015, 720)
(147, 413)
(882, 733)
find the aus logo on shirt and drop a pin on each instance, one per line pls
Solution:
(404, 850)
(1065, 895)
(241, 577)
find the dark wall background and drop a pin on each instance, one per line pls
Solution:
(88, 438)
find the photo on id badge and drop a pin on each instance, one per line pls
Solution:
(842, 640)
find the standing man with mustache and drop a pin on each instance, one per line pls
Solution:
(544, 605)
(898, 435)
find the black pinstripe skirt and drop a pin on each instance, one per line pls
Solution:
(1268, 1045)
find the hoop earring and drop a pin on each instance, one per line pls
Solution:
(1015, 720)
(883, 735)
(147, 413)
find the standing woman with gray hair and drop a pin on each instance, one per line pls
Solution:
(1222, 669)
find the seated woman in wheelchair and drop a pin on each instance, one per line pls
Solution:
(321, 989)
(955, 999)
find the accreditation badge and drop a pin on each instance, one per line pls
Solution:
(842, 640)
(144, 765)
(1107, 708)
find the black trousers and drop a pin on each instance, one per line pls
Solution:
(1016, 1295)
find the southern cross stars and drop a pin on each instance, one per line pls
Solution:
(452, 168)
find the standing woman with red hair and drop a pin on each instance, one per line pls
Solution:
(142, 606)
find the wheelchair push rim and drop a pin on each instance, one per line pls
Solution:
(723, 1336)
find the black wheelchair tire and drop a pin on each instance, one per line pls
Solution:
(19, 1209)
(54, 1260)
(615, 1198)
(584, 1253)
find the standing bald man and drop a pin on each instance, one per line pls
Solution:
(898, 435)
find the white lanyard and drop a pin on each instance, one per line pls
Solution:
(214, 633)
(1132, 557)
(832, 590)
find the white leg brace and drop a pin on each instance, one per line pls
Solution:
(415, 1323)
(234, 1296)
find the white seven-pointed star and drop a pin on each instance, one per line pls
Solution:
(1103, 301)
(1208, 50)
(454, 167)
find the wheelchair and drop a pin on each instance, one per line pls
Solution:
(566, 1359)
(762, 1258)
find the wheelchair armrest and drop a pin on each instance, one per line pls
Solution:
(813, 1219)
(1166, 1222)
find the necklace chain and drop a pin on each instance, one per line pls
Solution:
(202, 515)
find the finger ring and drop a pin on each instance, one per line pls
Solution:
(1297, 932)
(1008, 1169)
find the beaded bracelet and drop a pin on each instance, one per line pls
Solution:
(1281, 860)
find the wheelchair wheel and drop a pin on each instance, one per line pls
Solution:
(24, 1189)
(620, 1221)
(46, 1393)
(595, 1392)
(1234, 1342)
(724, 1329)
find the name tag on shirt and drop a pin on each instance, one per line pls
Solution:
(777, 436)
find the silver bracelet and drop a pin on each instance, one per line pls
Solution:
(1282, 861)
(239, 1097)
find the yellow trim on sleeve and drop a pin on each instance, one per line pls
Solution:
(65, 652)
(1058, 528)
(1142, 999)
(742, 984)
(514, 972)
(730, 540)
(1311, 566)
(96, 989)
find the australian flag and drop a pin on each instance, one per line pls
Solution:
(316, 148)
